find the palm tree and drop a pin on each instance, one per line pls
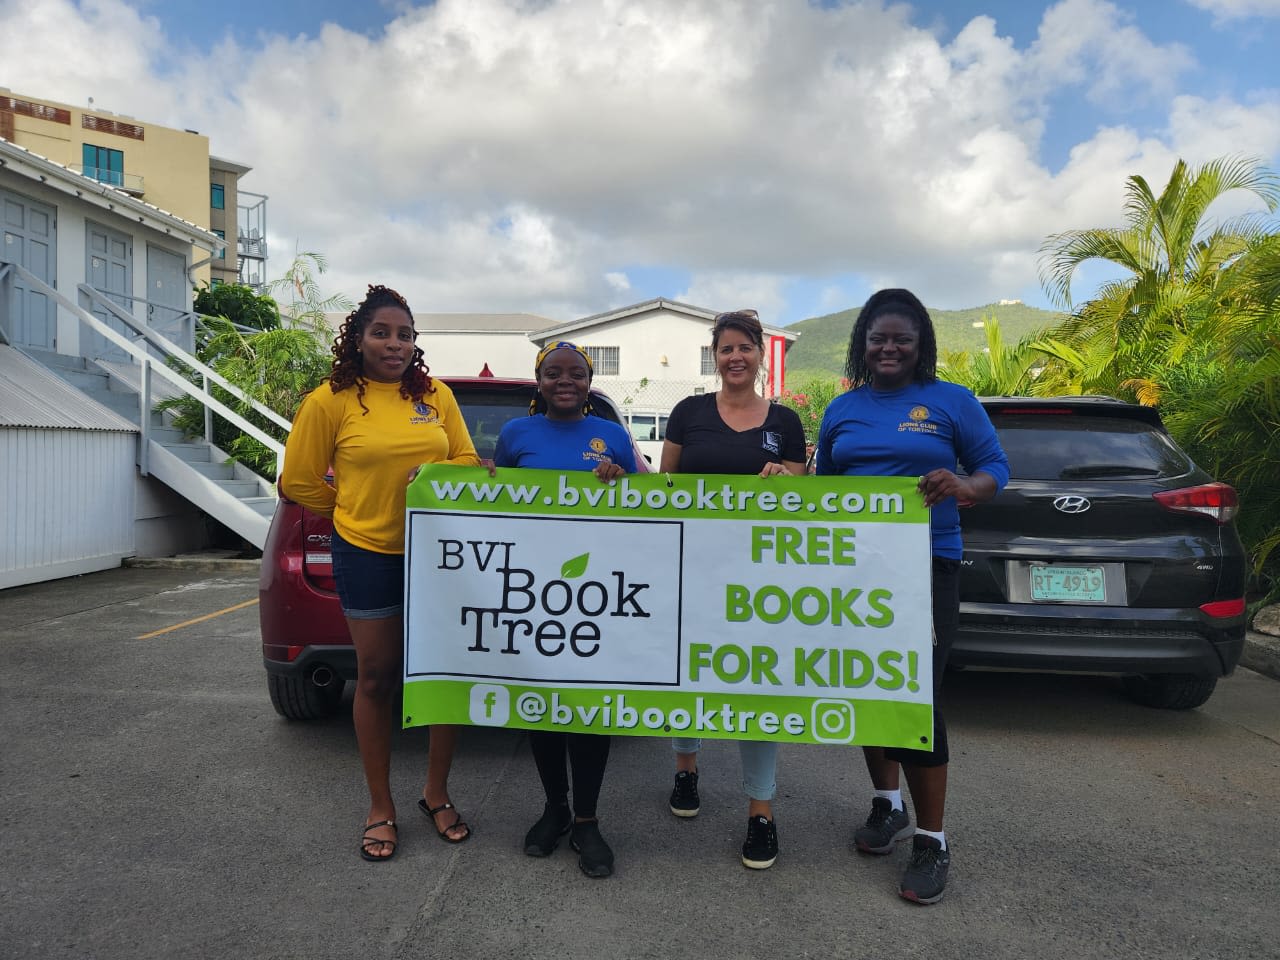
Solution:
(1226, 412)
(1183, 271)
(1002, 370)
(306, 306)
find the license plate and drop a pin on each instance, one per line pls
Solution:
(1070, 584)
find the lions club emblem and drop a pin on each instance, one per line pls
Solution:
(598, 445)
(919, 413)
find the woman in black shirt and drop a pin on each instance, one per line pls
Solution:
(735, 430)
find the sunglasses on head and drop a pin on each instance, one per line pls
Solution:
(723, 318)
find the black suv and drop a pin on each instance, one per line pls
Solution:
(1108, 552)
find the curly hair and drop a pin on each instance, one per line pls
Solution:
(901, 303)
(348, 363)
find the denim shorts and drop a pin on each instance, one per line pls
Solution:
(370, 585)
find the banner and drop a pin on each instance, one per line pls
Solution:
(794, 609)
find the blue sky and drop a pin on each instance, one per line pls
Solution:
(570, 156)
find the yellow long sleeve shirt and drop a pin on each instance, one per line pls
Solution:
(371, 455)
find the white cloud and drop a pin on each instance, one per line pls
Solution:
(1238, 9)
(729, 290)
(492, 155)
(1093, 42)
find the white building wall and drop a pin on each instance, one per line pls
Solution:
(165, 523)
(656, 345)
(70, 510)
(461, 354)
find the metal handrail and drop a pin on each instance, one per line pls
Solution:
(150, 365)
(172, 349)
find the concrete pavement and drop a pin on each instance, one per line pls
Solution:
(155, 806)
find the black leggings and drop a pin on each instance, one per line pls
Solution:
(946, 623)
(588, 755)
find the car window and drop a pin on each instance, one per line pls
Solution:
(1067, 447)
(644, 426)
(486, 411)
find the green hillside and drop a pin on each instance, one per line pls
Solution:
(824, 341)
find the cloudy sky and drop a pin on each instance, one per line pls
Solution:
(564, 157)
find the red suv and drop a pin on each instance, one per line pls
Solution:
(305, 645)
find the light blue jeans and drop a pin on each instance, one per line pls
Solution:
(759, 764)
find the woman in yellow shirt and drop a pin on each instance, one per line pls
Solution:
(378, 416)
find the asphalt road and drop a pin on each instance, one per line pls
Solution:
(155, 806)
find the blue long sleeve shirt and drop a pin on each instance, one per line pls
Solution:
(907, 433)
(563, 445)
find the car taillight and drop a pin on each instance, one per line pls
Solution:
(1224, 608)
(1216, 500)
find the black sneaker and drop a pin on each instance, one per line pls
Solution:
(926, 875)
(595, 858)
(544, 836)
(684, 795)
(761, 848)
(884, 828)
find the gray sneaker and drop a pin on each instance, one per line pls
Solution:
(884, 828)
(926, 875)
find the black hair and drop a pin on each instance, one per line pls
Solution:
(348, 362)
(896, 302)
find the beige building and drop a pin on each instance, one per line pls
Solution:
(167, 168)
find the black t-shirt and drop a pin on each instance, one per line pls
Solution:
(709, 445)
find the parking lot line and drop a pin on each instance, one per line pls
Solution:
(187, 623)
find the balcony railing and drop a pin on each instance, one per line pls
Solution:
(252, 246)
(128, 182)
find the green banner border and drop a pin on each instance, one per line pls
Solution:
(885, 723)
(706, 494)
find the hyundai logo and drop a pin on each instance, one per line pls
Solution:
(1071, 504)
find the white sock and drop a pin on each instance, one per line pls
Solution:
(893, 796)
(940, 836)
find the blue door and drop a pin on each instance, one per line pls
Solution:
(109, 269)
(168, 296)
(28, 237)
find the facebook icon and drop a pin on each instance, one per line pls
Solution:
(490, 705)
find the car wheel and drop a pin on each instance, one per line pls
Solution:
(1171, 691)
(301, 698)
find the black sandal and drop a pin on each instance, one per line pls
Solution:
(367, 843)
(430, 814)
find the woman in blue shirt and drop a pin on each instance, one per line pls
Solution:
(562, 434)
(899, 419)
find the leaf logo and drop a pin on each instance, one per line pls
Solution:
(575, 567)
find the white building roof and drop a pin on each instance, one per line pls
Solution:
(24, 162)
(33, 396)
(657, 303)
(438, 323)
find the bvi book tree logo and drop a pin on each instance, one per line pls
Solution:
(502, 597)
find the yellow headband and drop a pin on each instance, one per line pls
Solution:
(551, 348)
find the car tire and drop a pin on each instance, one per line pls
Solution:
(301, 698)
(1172, 691)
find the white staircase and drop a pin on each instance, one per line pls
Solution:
(229, 492)
(194, 468)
